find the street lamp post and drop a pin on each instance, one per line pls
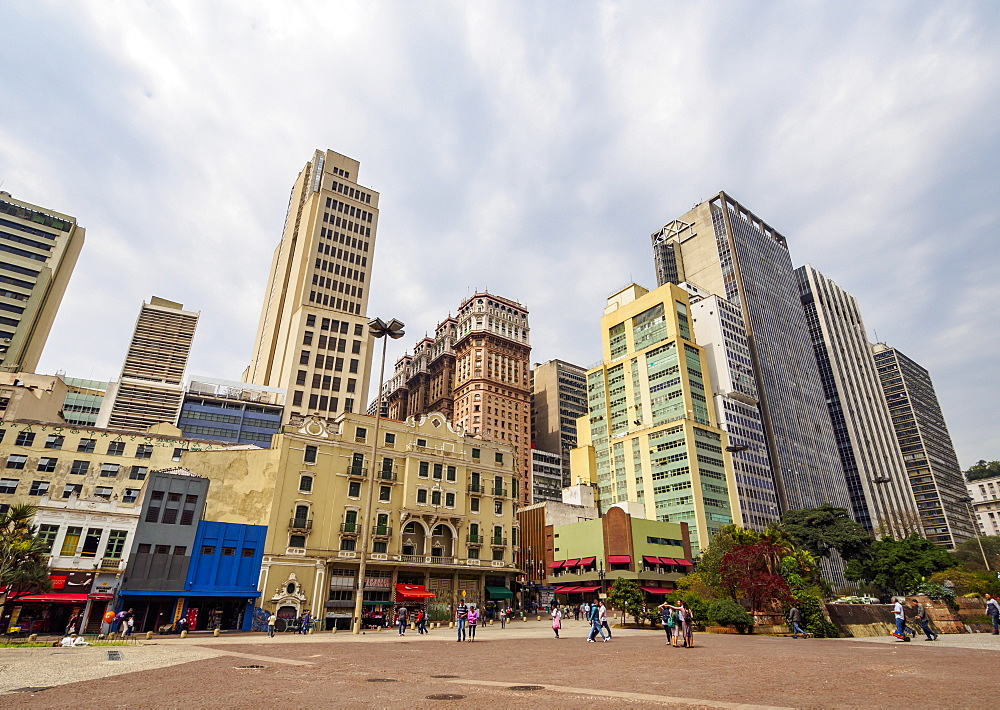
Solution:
(377, 328)
(975, 528)
(600, 575)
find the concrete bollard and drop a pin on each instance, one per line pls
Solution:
(33, 638)
(451, 624)
(184, 634)
(333, 630)
(216, 633)
(149, 635)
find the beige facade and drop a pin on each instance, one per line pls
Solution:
(654, 436)
(63, 462)
(38, 251)
(151, 386)
(38, 398)
(442, 512)
(312, 339)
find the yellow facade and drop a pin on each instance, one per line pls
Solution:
(653, 433)
(442, 512)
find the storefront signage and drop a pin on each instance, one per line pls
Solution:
(58, 582)
(384, 582)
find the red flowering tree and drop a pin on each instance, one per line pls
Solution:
(753, 571)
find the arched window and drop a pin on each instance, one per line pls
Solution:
(305, 484)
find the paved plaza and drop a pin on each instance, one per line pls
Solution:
(521, 666)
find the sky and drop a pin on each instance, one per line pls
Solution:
(527, 148)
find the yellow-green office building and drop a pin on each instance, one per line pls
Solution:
(651, 435)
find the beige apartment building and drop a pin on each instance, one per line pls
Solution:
(312, 339)
(150, 389)
(62, 462)
(38, 251)
(442, 514)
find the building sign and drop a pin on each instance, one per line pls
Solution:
(383, 582)
(58, 582)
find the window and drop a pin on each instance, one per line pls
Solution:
(438, 471)
(91, 542)
(24, 438)
(104, 492)
(435, 497)
(498, 555)
(110, 470)
(116, 448)
(16, 461)
(353, 366)
(498, 457)
(305, 484)
(70, 542)
(449, 500)
(380, 546)
(310, 322)
(354, 489)
(348, 543)
(79, 467)
(72, 489)
(8, 485)
(474, 505)
(116, 544)
(360, 433)
(138, 473)
(177, 455)
(229, 552)
(307, 337)
(422, 495)
(54, 441)
(144, 451)
(208, 549)
(153, 512)
(385, 494)
(424, 469)
(39, 488)
(130, 495)
(473, 553)
(144, 548)
(169, 516)
(247, 552)
(46, 464)
(476, 453)
(297, 399)
(310, 455)
(180, 550)
(86, 446)
(390, 439)
(304, 357)
(161, 550)
(451, 473)
(422, 442)
(498, 507)
(47, 536)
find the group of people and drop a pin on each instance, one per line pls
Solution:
(466, 621)
(596, 614)
(678, 623)
(404, 616)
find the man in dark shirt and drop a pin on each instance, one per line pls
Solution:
(461, 615)
(920, 614)
(795, 618)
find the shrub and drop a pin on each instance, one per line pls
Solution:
(811, 607)
(726, 612)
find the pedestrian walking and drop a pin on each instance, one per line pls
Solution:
(687, 624)
(667, 619)
(421, 621)
(473, 621)
(604, 618)
(271, 621)
(556, 620)
(993, 609)
(595, 624)
(461, 617)
(129, 626)
(503, 617)
(920, 616)
(900, 616)
(401, 619)
(795, 620)
(306, 621)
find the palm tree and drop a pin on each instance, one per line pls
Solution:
(23, 556)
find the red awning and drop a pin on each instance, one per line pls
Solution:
(585, 561)
(656, 590)
(652, 560)
(586, 589)
(571, 563)
(555, 565)
(619, 559)
(685, 563)
(565, 590)
(56, 598)
(668, 560)
(413, 591)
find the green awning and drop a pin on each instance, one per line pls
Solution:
(499, 593)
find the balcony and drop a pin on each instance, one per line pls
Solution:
(420, 559)
(355, 471)
(303, 524)
(496, 541)
(498, 492)
(386, 474)
(474, 539)
(110, 564)
(381, 531)
(350, 529)
(477, 488)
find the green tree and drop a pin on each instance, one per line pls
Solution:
(899, 566)
(23, 557)
(726, 612)
(626, 595)
(982, 469)
(970, 556)
(820, 530)
(965, 582)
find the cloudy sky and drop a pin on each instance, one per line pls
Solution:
(528, 148)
